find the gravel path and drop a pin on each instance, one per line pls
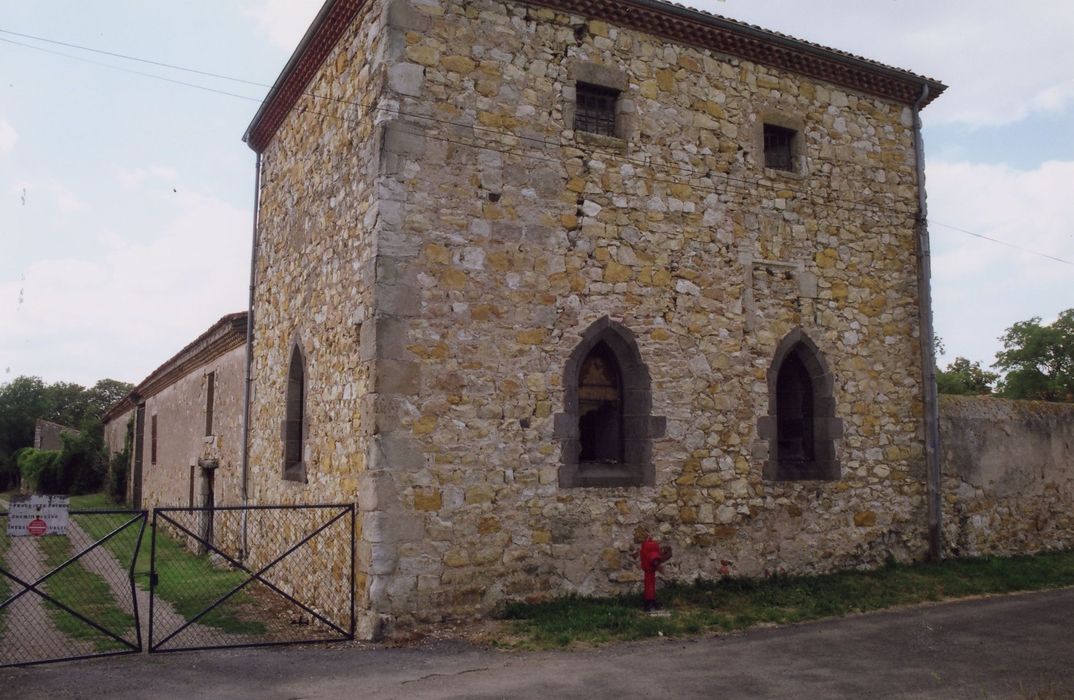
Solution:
(28, 631)
(166, 619)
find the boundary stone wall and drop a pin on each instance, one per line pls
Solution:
(1008, 469)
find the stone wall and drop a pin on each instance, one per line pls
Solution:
(48, 435)
(176, 479)
(511, 234)
(115, 432)
(317, 263)
(1008, 470)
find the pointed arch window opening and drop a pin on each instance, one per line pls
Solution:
(600, 407)
(801, 428)
(795, 419)
(607, 427)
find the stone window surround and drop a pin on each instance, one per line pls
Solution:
(295, 473)
(826, 426)
(639, 426)
(787, 121)
(579, 71)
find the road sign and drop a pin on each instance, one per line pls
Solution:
(37, 515)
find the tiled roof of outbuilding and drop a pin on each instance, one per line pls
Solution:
(227, 333)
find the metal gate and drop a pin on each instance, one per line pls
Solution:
(251, 576)
(71, 597)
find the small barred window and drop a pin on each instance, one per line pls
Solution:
(595, 109)
(779, 147)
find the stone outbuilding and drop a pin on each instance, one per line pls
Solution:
(186, 423)
(48, 435)
(533, 279)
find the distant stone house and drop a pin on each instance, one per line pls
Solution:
(535, 278)
(186, 423)
(49, 435)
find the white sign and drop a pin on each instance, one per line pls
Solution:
(35, 516)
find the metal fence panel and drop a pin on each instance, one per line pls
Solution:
(251, 576)
(71, 596)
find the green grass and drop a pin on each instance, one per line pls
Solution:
(189, 581)
(732, 604)
(84, 591)
(93, 501)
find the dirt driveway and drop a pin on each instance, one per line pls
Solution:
(1019, 646)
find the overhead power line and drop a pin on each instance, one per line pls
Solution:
(1003, 243)
(129, 70)
(131, 58)
(730, 180)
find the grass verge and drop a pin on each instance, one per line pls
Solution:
(85, 592)
(189, 581)
(732, 604)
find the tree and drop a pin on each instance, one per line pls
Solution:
(1038, 360)
(22, 400)
(965, 377)
(25, 399)
(105, 393)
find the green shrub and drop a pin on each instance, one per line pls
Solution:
(117, 477)
(83, 464)
(39, 469)
(80, 467)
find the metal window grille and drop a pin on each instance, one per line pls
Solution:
(595, 109)
(779, 147)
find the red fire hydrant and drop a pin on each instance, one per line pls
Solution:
(652, 555)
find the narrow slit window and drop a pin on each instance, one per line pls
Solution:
(153, 440)
(210, 399)
(779, 147)
(595, 109)
(294, 422)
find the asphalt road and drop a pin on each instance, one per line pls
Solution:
(1019, 646)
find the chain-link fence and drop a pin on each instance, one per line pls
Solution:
(245, 576)
(68, 596)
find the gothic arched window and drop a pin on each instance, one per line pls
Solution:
(606, 428)
(801, 427)
(600, 407)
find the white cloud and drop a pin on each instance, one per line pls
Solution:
(284, 22)
(122, 313)
(1002, 61)
(980, 288)
(8, 136)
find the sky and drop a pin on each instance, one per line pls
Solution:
(126, 201)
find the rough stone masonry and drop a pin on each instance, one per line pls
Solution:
(457, 266)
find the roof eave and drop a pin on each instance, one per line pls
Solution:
(677, 23)
(296, 56)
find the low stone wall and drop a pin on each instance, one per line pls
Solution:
(1008, 469)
